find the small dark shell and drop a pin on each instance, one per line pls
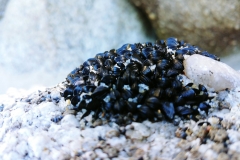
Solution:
(121, 65)
(204, 107)
(179, 100)
(202, 88)
(170, 92)
(75, 100)
(183, 111)
(126, 94)
(120, 83)
(77, 90)
(179, 55)
(145, 80)
(120, 106)
(132, 107)
(68, 93)
(205, 53)
(172, 73)
(100, 92)
(157, 92)
(86, 70)
(161, 43)
(93, 104)
(136, 58)
(120, 59)
(114, 94)
(56, 119)
(145, 112)
(116, 71)
(153, 103)
(88, 88)
(147, 62)
(108, 79)
(141, 97)
(107, 106)
(168, 109)
(147, 71)
(90, 62)
(158, 55)
(188, 94)
(163, 64)
(163, 82)
(177, 64)
(147, 52)
(176, 84)
(172, 43)
(108, 64)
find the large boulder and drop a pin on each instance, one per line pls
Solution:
(46, 39)
(211, 25)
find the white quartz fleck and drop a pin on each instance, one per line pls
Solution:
(70, 121)
(215, 74)
(142, 88)
(126, 87)
(39, 144)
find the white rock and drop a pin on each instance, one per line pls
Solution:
(39, 144)
(22, 148)
(210, 72)
(12, 155)
(142, 129)
(70, 121)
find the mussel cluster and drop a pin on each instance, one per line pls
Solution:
(141, 80)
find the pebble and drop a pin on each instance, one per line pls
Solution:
(215, 74)
(112, 133)
(70, 121)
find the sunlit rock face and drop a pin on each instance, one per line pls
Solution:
(210, 72)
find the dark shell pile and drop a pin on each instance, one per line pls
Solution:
(142, 81)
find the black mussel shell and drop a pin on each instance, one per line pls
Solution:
(147, 52)
(163, 82)
(68, 93)
(172, 43)
(157, 92)
(75, 100)
(183, 111)
(168, 109)
(163, 64)
(153, 103)
(204, 107)
(100, 92)
(189, 94)
(145, 112)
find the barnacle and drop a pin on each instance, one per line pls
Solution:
(142, 80)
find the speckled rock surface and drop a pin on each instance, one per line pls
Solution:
(212, 25)
(53, 37)
(30, 129)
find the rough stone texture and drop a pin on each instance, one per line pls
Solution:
(215, 74)
(211, 25)
(27, 132)
(51, 37)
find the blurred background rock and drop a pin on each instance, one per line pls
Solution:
(41, 41)
(213, 25)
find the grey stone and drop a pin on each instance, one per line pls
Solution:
(211, 25)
